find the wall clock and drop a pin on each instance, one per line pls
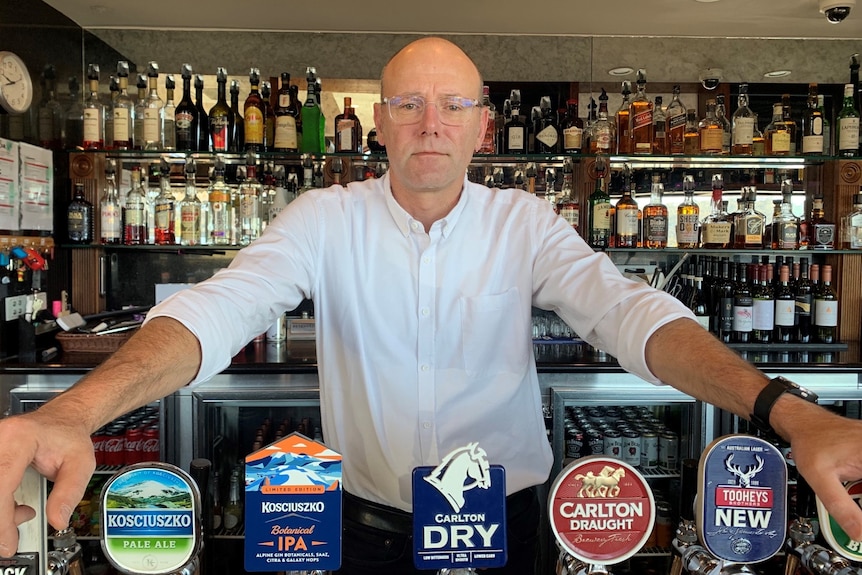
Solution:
(16, 86)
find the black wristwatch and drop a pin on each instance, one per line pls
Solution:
(770, 394)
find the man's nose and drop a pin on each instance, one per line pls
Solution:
(430, 117)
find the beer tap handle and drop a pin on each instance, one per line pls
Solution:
(822, 561)
(199, 469)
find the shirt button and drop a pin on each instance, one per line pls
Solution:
(426, 260)
(425, 312)
(425, 367)
(414, 225)
(426, 425)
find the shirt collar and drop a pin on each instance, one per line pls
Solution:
(405, 221)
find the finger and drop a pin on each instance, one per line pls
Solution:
(70, 485)
(841, 507)
(24, 513)
(12, 467)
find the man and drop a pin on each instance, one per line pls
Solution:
(423, 284)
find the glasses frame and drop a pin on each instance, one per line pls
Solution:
(474, 104)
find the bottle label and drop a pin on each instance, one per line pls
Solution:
(788, 236)
(711, 139)
(602, 216)
(676, 122)
(726, 314)
(75, 220)
(716, 232)
(743, 314)
(189, 225)
(253, 125)
(627, 222)
(781, 141)
(687, 229)
(516, 138)
(642, 119)
(151, 125)
(121, 124)
(812, 144)
(656, 229)
(218, 131)
(110, 222)
(743, 131)
(826, 312)
(753, 230)
(221, 222)
(134, 216)
(601, 141)
(848, 134)
(283, 100)
(571, 213)
(548, 136)
(764, 314)
(803, 305)
(285, 133)
(824, 236)
(92, 125)
(573, 138)
(344, 136)
(164, 217)
(785, 312)
(183, 121)
(488, 142)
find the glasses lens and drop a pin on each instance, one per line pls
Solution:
(452, 110)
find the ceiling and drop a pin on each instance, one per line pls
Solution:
(718, 19)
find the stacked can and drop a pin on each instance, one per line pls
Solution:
(132, 438)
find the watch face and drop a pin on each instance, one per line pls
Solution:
(16, 87)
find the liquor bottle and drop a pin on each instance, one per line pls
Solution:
(547, 129)
(828, 144)
(73, 117)
(489, 142)
(723, 298)
(296, 105)
(742, 125)
(123, 110)
(847, 138)
(573, 129)
(853, 225)
(786, 229)
(221, 209)
(169, 114)
(711, 131)
(285, 139)
(655, 216)
(785, 307)
(789, 122)
(186, 115)
(50, 113)
(659, 126)
(812, 125)
(758, 141)
(770, 232)
(253, 115)
(592, 116)
(281, 196)
(600, 220)
(622, 120)
(602, 133)
(777, 133)
(236, 132)
(233, 512)
(675, 117)
(567, 205)
(249, 204)
(716, 227)
(641, 119)
(113, 91)
(163, 224)
(348, 130)
(220, 116)
(743, 307)
(821, 230)
(763, 322)
(826, 308)
(749, 224)
(202, 132)
(138, 113)
(110, 213)
(268, 116)
(804, 294)
(94, 113)
(190, 208)
(515, 130)
(721, 116)
(691, 137)
(312, 118)
(153, 111)
(627, 218)
(688, 217)
(135, 212)
(79, 217)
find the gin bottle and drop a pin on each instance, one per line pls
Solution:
(190, 209)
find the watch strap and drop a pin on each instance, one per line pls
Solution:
(767, 397)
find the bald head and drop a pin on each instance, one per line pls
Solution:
(432, 55)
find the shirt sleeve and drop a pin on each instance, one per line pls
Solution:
(584, 287)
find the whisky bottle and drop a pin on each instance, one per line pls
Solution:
(743, 307)
(641, 119)
(812, 125)
(691, 137)
(220, 115)
(602, 132)
(190, 209)
(567, 205)
(573, 129)
(249, 204)
(285, 119)
(548, 131)
(655, 217)
(79, 217)
(721, 116)
(622, 120)
(749, 224)
(268, 116)
(236, 132)
(785, 306)
(758, 141)
(742, 125)
(821, 230)
(123, 110)
(826, 308)
(659, 126)
(169, 113)
(716, 227)
(676, 120)
(770, 232)
(853, 225)
(312, 118)
(348, 130)
(763, 322)
(221, 212)
(138, 113)
(186, 115)
(135, 212)
(253, 114)
(94, 113)
(786, 227)
(777, 133)
(600, 219)
(711, 131)
(804, 294)
(152, 111)
(828, 144)
(688, 217)
(789, 122)
(627, 218)
(113, 91)
(489, 141)
(515, 130)
(164, 225)
(847, 141)
(110, 213)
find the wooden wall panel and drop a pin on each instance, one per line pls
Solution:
(84, 293)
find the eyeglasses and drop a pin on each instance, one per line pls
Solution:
(452, 110)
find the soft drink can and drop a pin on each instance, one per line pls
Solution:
(115, 446)
(150, 451)
(99, 438)
(134, 445)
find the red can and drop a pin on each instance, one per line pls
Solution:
(134, 445)
(150, 450)
(114, 447)
(99, 438)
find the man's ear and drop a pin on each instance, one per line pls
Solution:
(378, 123)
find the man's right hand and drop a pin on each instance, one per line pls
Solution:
(60, 450)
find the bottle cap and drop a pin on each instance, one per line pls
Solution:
(187, 71)
(170, 84)
(254, 76)
(142, 81)
(122, 69)
(221, 74)
(153, 70)
(199, 81)
(93, 72)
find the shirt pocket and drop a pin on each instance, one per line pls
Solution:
(495, 339)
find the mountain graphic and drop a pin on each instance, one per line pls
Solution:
(148, 494)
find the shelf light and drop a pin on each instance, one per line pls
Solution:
(621, 71)
(777, 74)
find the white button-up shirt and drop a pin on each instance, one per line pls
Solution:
(424, 339)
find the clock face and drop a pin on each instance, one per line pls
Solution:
(16, 87)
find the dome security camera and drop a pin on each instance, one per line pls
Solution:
(711, 78)
(836, 10)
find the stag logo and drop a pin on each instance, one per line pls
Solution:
(745, 476)
(451, 477)
(605, 484)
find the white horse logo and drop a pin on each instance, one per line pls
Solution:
(451, 476)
